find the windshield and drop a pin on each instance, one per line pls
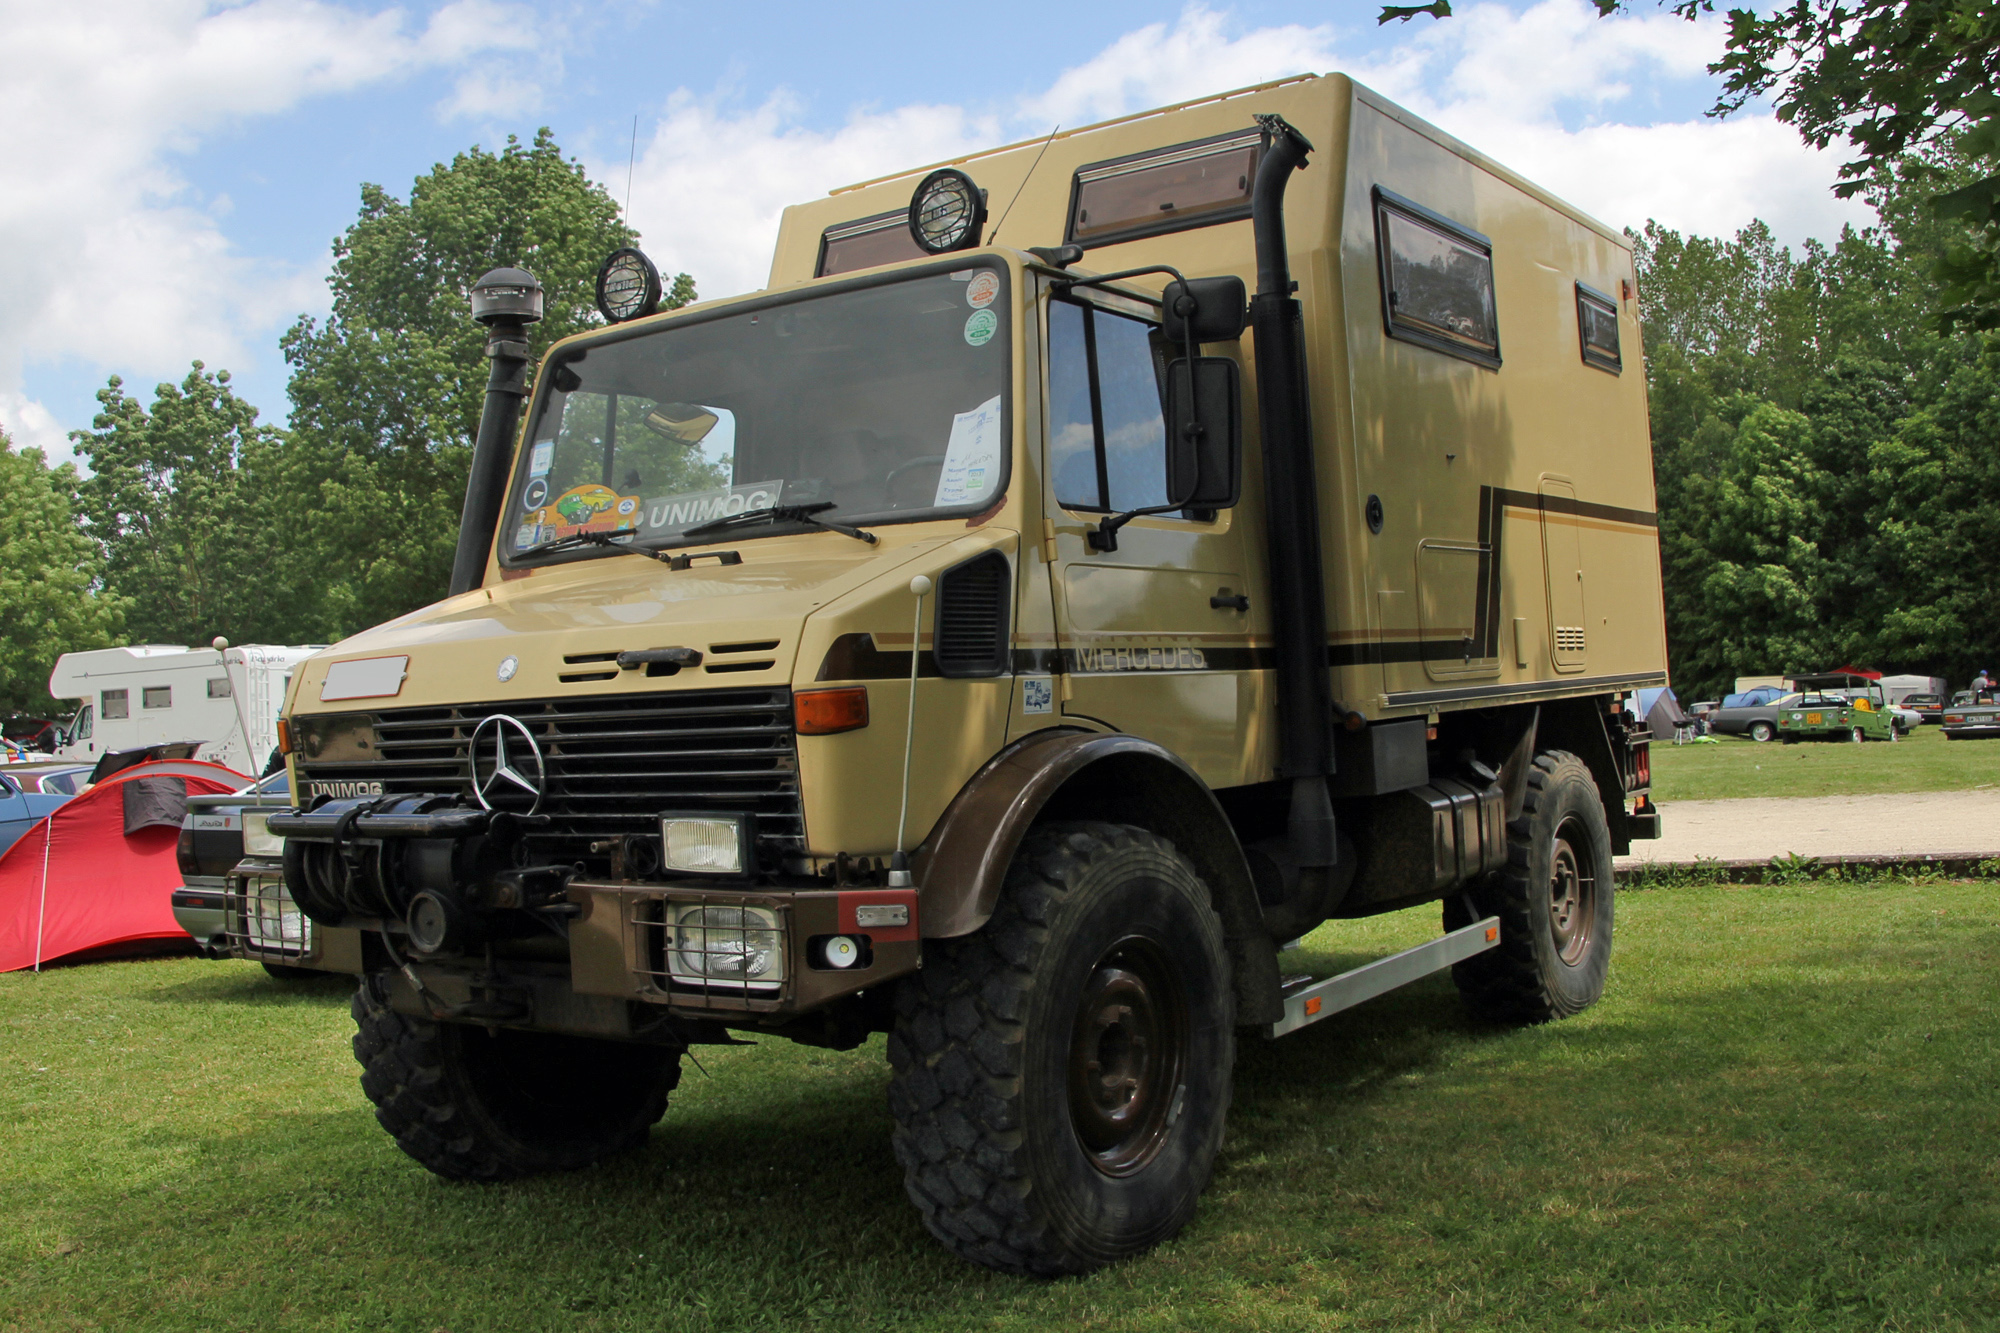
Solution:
(886, 402)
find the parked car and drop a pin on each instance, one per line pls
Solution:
(1838, 707)
(34, 734)
(1753, 713)
(1703, 707)
(222, 838)
(56, 779)
(1971, 715)
(21, 809)
(1928, 707)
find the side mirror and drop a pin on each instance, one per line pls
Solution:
(1213, 309)
(1205, 453)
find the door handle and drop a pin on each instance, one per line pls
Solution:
(1222, 601)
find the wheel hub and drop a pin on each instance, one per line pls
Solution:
(1127, 1047)
(1572, 897)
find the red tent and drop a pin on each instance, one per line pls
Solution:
(101, 869)
(1863, 672)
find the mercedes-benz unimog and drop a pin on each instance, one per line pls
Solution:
(1086, 568)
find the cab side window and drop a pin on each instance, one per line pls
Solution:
(1107, 430)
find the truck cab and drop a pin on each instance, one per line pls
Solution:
(1087, 567)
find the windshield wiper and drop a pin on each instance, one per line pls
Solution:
(580, 539)
(783, 513)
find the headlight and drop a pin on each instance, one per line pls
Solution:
(258, 840)
(705, 844)
(739, 945)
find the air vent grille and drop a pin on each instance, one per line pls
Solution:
(971, 626)
(614, 764)
(1569, 638)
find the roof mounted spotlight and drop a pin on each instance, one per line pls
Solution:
(507, 296)
(628, 286)
(946, 212)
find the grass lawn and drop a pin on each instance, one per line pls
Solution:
(1923, 761)
(1782, 1117)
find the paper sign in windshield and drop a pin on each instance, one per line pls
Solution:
(972, 459)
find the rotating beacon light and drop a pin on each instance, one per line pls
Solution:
(946, 212)
(899, 864)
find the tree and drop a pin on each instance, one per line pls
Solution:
(386, 393)
(1890, 77)
(167, 500)
(51, 600)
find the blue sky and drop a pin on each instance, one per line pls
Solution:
(191, 162)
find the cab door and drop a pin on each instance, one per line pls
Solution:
(1154, 636)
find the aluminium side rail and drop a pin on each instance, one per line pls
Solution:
(1326, 998)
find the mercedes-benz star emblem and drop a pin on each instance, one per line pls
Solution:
(507, 767)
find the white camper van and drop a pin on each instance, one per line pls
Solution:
(226, 700)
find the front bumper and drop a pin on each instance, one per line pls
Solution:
(627, 941)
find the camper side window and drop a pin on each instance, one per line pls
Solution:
(1107, 432)
(1597, 329)
(115, 705)
(157, 696)
(1437, 281)
(219, 688)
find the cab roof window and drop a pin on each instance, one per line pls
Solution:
(1164, 189)
(1437, 281)
(1597, 329)
(865, 242)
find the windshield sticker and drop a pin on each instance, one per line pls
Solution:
(979, 292)
(684, 511)
(972, 458)
(541, 458)
(979, 329)
(587, 508)
(537, 493)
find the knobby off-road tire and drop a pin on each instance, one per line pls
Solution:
(1554, 901)
(1062, 1075)
(478, 1104)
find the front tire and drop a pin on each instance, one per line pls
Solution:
(472, 1103)
(1554, 901)
(1062, 1076)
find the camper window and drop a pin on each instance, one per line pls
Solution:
(866, 242)
(1597, 328)
(157, 696)
(1107, 435)
(115, 705)
(1437, 281)
(219, 688)
(1165, 189)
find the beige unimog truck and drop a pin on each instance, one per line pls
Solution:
(1087, 567)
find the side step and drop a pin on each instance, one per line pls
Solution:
(1327, 998)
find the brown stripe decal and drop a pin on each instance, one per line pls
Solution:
(1557, 504)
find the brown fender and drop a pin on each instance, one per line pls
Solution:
(1062, 774)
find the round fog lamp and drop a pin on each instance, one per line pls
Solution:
(628, 286)
(946, 212)
(842, 952)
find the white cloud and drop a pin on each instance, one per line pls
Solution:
(1564, 97)
(98, 98)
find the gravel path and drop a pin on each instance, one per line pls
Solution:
(1758, 828)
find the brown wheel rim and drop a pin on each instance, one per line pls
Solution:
(1128, 1051)
(1572, 892)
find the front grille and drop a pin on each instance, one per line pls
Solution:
(614, 764)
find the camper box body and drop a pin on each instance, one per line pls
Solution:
(163, 694)
(1518, 553)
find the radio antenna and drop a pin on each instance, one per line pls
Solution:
(630, 162)
(990, 240)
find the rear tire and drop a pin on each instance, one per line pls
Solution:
(1554, 901)
(1761, 730)
(1857, 736)
(473, 1103)
(1062, 1075)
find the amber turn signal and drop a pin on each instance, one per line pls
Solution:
(826, 712)
(284, 735)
